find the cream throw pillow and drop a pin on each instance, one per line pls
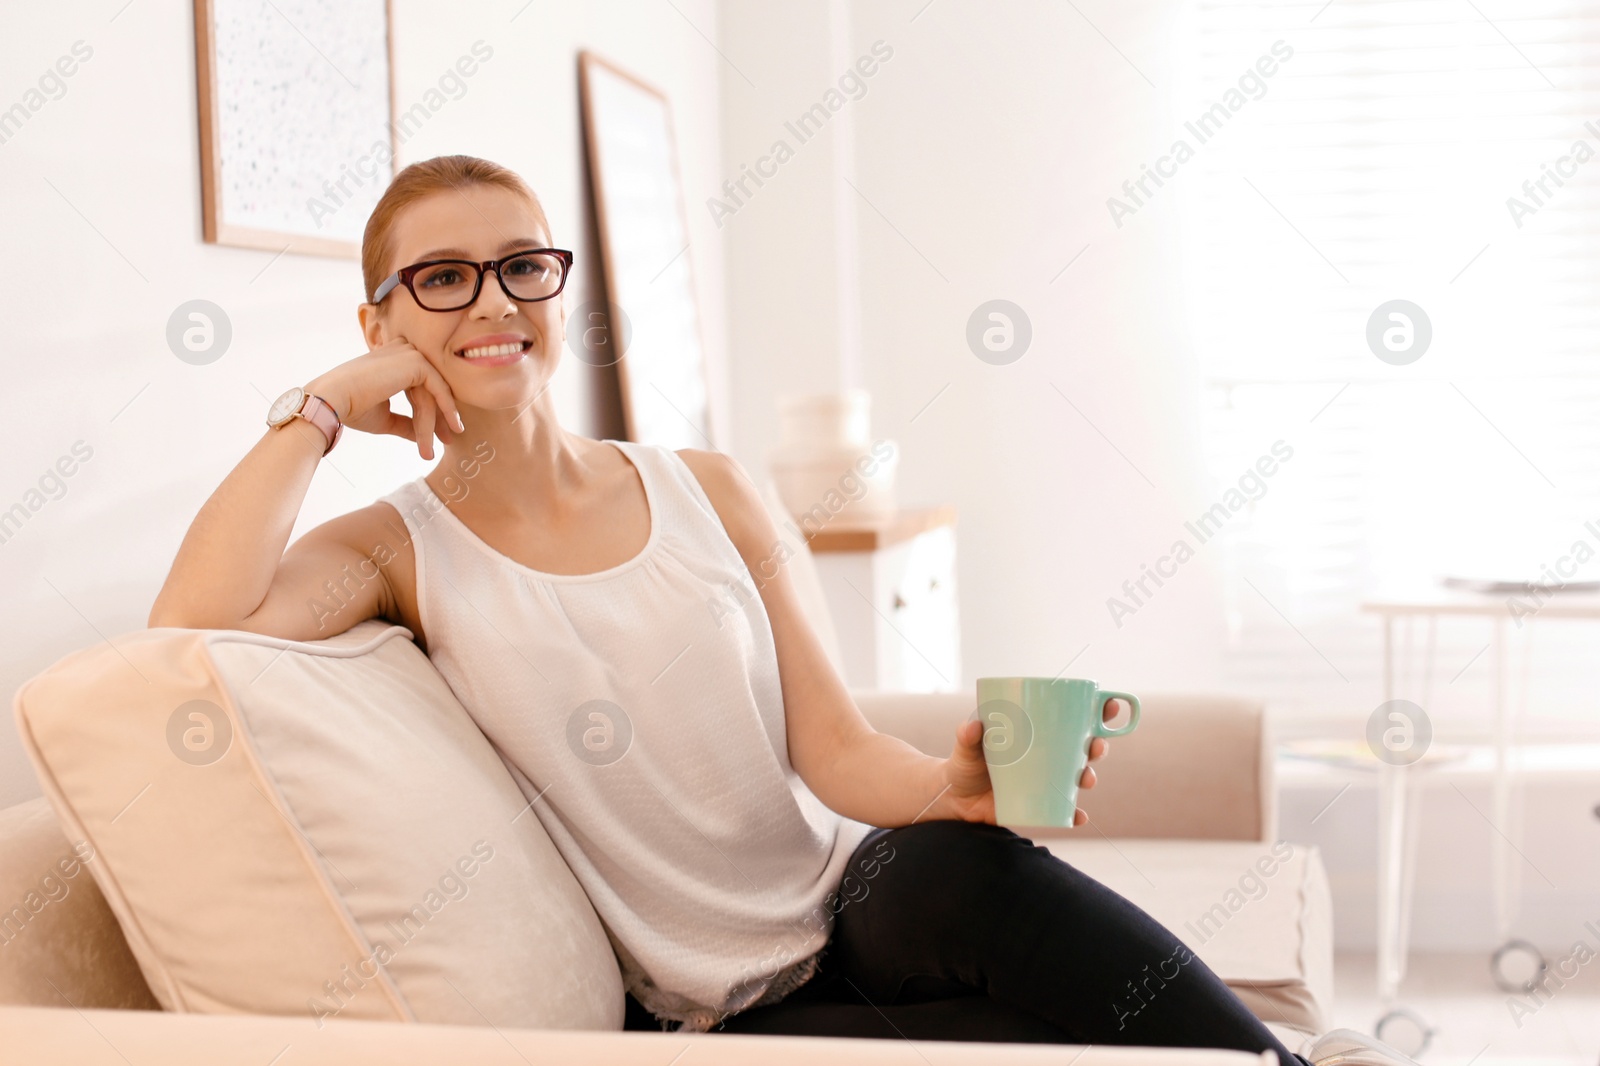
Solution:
(313, 828)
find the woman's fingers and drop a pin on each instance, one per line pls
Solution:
(395, 424)
(1079, 818)
(1099, 745)
(423, 413)
(439, 392)
(1087, 778)
(441, 427)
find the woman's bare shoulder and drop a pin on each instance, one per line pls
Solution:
(735, 496)
(380, 533)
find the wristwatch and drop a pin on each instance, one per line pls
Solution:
(313, 409)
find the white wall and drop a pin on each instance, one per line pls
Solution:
(86, 330)
(985, 149)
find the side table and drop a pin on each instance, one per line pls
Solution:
(890, 583)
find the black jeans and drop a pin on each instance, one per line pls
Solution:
(951, 930)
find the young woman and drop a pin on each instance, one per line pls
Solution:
(763, 860)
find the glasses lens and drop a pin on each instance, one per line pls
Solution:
(533, 275)
(444, 286)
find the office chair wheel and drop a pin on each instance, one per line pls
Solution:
(1405, 1031)
(1517, 966)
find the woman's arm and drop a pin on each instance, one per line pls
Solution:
(860, 773)
(232, 566)
(230, 555)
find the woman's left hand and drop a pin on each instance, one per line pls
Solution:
(970, 796)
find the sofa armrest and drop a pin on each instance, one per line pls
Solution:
(1199, 766)
(59, 941)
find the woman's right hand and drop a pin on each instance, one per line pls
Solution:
(359, 392)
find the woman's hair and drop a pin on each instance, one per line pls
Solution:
(422, 179)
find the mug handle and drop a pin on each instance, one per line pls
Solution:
(1106, 696)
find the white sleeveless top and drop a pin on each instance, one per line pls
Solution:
(639, 710)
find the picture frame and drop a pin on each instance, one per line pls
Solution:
(297, 168)
(643, 231)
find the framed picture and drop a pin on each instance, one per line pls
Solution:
(296, 101)
(649, 310)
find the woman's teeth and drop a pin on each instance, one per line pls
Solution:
(492, 350)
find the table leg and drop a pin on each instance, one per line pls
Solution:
(1499, 844)
(1408, 866)
(1391, 826)
(1507, 872)
(1392, 789)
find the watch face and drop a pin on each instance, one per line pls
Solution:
(284, 407)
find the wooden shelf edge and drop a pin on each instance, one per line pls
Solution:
(868, 535)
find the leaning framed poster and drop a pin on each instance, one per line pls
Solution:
(650, 308)
(296, 99)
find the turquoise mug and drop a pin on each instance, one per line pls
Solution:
(1036, 737)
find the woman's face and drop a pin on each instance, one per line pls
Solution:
(477, 223)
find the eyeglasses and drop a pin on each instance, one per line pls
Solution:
(451, 284)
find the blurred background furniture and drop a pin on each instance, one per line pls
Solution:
(1517, 964)
(890, 584)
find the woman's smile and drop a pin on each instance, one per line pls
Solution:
(495, 349)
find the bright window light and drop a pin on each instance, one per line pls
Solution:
(1340, 157)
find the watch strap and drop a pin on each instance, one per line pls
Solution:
(321, 414)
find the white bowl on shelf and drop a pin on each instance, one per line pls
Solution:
(824, 485)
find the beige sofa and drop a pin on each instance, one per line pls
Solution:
(1182, 814)
(1182, 823)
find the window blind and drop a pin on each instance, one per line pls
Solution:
(1446, 154)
